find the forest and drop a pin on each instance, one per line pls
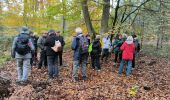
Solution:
(149, 20)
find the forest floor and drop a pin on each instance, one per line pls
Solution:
(150, 80)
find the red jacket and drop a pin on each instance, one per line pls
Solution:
(128, 51)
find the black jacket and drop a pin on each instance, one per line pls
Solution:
(96, 47)
(61, 39)
(50, 42)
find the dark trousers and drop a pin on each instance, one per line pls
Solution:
(105, 54)
(60, 55)
(118, 57)
(43, 59)
(33, 60)
(95, 59)
(133, 61)
(52, 66)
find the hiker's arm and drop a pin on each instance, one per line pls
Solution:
(122, 47)
(31, 45)
(13, 47)
(14, 43)
(74, 44)
(114, 44)
(39, 43)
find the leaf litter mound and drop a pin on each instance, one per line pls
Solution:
(149, 81)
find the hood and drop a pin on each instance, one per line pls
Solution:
(129, 40)
(25, 30)
(51, 32)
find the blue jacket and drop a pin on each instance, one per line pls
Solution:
(75, 47)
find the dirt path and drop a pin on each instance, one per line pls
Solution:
(151, 78)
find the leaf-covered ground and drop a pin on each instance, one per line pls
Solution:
(151, 79)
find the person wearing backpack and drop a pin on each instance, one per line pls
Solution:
(137, 49)
(61, 39)
(128, 49)
(80, 47)
(21, 51)
(52, 55)
(43, 52)
(95, 53)
(116, 48)
(106, 45)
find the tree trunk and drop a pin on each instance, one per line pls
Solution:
(158, 41)
(105, 16)
(87, 17)
(63, 17)
(160, 33)
(116, 14)
(63, 24)
(115, 19)
(0, 7)
(25, 19)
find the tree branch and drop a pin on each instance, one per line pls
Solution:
(135, 10)
(135, 17)
(116, 14)
(123, 14)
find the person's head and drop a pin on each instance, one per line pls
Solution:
(78, 30)
(97, 37)
(129, 40)
(58, 33)
(31, 33)
(24, 30)
(120, 36)
(124, 36)
(88, 36)
(134, 36)
(45, 34)
(51, 32)
(105, 35)
(117, 36)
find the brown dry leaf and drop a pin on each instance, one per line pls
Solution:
(150, 72)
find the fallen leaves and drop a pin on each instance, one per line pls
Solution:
(149, 81)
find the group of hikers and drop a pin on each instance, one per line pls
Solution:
(51, 44)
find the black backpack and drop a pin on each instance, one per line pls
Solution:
(83, 45)
(95, 47)
(22, 44)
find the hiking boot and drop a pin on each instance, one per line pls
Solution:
(24, 83)
(99, 70)
(114, 65)
(49, 80)
(133, 68)
(34, 64)
(18, 82)
(75, 79)
(84, 78)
